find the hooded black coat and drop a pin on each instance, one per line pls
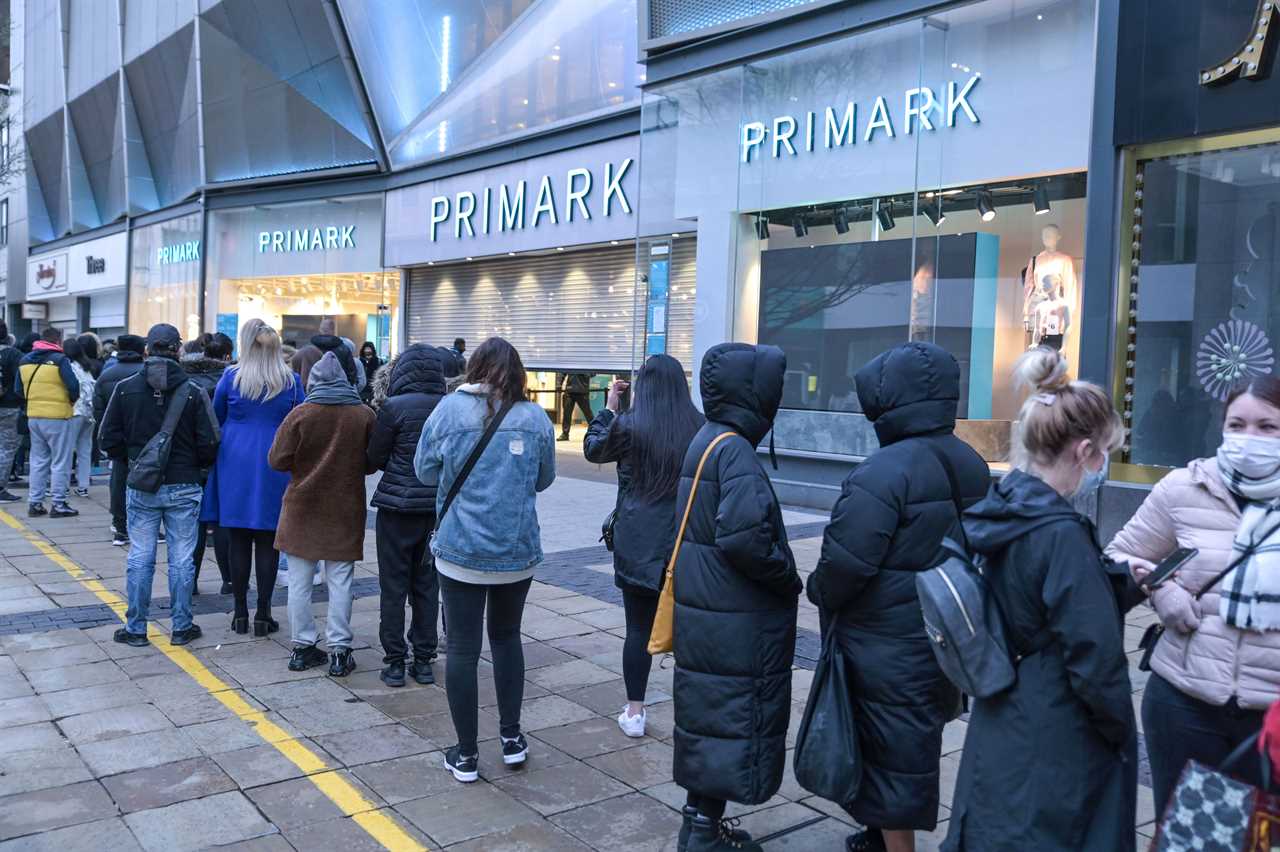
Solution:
(1051, 764)
(203, 371)
(416, 387)
(127, 364)
(735, 591)
(893, 512)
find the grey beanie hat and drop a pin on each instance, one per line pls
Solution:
(327, 369)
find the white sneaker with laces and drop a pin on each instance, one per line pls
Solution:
(632, 726)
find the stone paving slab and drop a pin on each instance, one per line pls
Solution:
(41, 810)
(220, 819)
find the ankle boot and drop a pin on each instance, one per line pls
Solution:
(719, 835)
(686, 825)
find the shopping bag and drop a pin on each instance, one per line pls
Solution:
(1212, 812)
(826, 761)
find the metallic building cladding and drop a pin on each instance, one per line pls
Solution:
(677, 17)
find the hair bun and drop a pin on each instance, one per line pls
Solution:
(1042, 369)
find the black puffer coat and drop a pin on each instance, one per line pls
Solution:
(735, 591)
(127, 364)
(1051, 764)
(893, 512)
(417, 386)
(204, 372)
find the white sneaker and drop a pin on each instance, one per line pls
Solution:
(317, 579)
(282, 578)
(632, 726)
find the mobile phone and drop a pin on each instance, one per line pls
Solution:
(1168, 567)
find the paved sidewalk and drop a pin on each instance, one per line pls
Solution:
(103, 746)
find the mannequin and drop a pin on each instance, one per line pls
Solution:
(1052, 314)
(1050, 261)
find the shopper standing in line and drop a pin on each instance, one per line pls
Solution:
(322, 444)
(81, 424)
(205, 361)
(10, 411)
(887, 527)
(134, 415)
(48, 383)
(576, 389)
(736, 592)
(1051, 763)
(648, 442)
(128, 361)
(369, 363)
(1216, 669)
(326, 340)
(487, 542)
(406, 512)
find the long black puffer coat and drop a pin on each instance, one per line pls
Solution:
(893, 512)
(417, 386)
(735, 591)
(1051, 764)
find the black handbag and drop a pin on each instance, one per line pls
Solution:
(606, 530)
(827, 762)
(146, 472)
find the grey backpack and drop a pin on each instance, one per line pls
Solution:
(962, 617)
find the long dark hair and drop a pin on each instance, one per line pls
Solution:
(662, 421)
(496, 363)
(72, 348)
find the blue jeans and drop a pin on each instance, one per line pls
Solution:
(178, 508)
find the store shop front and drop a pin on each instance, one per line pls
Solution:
(544, 253)
(924, 180)
(165, 260)
(81, 287)
(292, 265)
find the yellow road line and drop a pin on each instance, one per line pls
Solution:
(339, 790)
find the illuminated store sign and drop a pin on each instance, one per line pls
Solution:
(180, 252)
(836, 127)
(307, 239)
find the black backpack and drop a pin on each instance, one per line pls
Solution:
(146, 472)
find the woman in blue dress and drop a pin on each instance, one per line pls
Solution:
(244, 494)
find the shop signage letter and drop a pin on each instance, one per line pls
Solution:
(463, 217)
(920, 111)
(960, 101)
(307, 239)
(781, 137)
(439, 213)
(546, 205)
(613, 186)
(752, 136)
(510, 209)
(848, 126)
(179, 253)
(575, 195)
(879, 119)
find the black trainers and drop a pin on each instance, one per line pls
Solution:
(35, 510)
(225, 590)
(463, 767)
(420, 671)
(341, 663)
(306, 657)
(867, 840)
(8, 497)
(393, 673)
(62, 510)
(719, 835)
(514, 751)
(160, 536)
(82, 492)
(182, 637)
(119, 540)
(124, 637)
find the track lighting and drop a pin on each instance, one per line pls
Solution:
(1041, 199)
(934, 211)
(840, 218)
(762, 227)
(801, 226)
(884, 213)
(985, 205)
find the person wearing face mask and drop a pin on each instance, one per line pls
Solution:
(1051, 763)
(1216, 669)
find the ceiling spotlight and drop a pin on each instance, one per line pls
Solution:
(934, 211)
(1041, 199)
(884, 213)
(762, 227)
(840, 218)
(801, 226)
(985, 205)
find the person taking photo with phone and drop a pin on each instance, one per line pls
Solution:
(1216, 668)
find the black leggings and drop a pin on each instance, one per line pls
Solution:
(464, 605)
(254, 548)
(640, 606)
(221, 547)
(705, 805)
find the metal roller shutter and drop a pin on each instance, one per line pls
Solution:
(682, 301)
(569, 310)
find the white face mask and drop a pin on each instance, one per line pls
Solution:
(1251, 456)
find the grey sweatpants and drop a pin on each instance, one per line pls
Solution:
(10, 440)
(302, 621)
(51, 448)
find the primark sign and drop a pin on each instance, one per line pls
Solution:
(327, 238)
(919, 109)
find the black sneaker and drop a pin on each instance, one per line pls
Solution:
(393, 674)
(160, 536)
(182, 637)
(341, 663)
(82, 492)
(867, 840)
(8, 497)
(514, 751)
(119, 540)
(420, 671)
(306, 657)
(719, 835)
(225, 590)
(562, 438)
(136, 640)
(62, 510)
(36, 510)
(463, 767)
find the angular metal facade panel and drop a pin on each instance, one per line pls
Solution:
(97, 124)
(93, 40)
(149, 22)
(44, 49)
(46, 153)
(679, 17)
(163, 84)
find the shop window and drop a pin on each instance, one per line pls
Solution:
(164, 275)
(1202, 297)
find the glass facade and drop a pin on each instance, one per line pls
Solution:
(888, 186)
(164, 275)
(1203, 293)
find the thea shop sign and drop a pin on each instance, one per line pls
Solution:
(839, 126)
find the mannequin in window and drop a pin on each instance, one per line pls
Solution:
(1052, 314)
(1050, 261)
(922, 304)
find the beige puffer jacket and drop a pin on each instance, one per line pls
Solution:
(1191, 507)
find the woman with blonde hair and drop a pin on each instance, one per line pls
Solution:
(1051, 763)
(244, 493)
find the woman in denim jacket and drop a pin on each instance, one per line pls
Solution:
(488, 543)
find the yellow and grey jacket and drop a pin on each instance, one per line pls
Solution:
(48, 384)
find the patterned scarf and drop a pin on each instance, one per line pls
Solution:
(1251, 592)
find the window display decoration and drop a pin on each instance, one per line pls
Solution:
(1247, 60)
(1234, 350)
(1131, 321)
